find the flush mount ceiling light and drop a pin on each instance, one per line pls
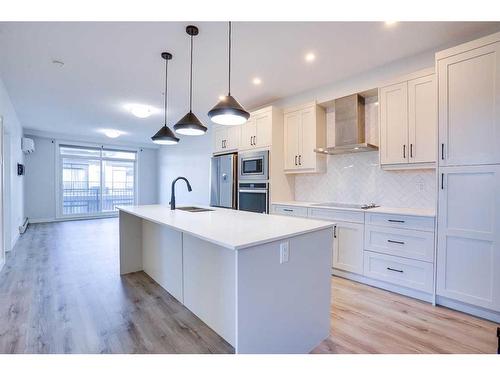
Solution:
(165, 136)
(228, 111)
(310, 57)
(140, 110)
(112, 133)
(256, 81)
(189, 124)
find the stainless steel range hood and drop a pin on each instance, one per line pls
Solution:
(349, 127)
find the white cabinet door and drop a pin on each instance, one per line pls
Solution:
(248, 131)
(469, 235)
(393, 102)
(263, 130)
(291, 141)
(469, 107)
(348, 247)
(422, 119)
(232, 138)
(220, 134)
(307, 139)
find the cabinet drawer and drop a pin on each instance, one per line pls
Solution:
(401, 221)
(289, 210)
(409, 273)
(406, 243)
(337, 215)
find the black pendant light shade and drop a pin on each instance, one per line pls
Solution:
(165, 136)
(190, 124)
(228, 111)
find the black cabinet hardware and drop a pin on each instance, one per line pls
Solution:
(404, 151)
(395, 270)
(334, 231)
(287, 210)
(395, 221)
(295, 159)
(442, 181)
(442, 151)
(300, 162)
(398, 242)
(411, 150)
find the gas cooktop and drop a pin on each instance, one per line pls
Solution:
(347, 205)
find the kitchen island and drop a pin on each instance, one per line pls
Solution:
(262, 282)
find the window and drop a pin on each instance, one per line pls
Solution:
(95, 180)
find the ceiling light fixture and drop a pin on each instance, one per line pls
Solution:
(256, 81)
(228, 111)
(189, 124)
(310, 57)
(112, 133)
(140, 110)
(165, 136)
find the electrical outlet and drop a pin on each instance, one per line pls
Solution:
(284, 252)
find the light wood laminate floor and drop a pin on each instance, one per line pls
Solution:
(61, 292)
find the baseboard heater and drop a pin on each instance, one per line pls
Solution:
(24, 226)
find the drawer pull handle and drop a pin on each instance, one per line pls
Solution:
(287, 210)
(395, 270)
(396, 221)
(398, 242)
(334, 231)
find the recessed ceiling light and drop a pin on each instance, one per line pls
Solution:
(111, 133)
(140, 110)
(310, 57)
(390, 23)
(256, 81)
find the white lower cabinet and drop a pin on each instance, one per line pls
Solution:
(405, 272)
(348, 247)
(468, 261)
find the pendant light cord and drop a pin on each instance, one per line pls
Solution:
(229, 50)
(191, 78)
(166, 76)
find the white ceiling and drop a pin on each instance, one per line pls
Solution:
(109, 64)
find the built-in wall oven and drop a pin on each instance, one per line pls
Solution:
(253, 184)
(254, 197)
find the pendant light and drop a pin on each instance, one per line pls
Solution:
(228, 111)
(189, 124)
(165, 136)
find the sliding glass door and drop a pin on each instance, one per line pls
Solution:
(95, 180)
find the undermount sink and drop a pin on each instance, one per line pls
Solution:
(193, 209)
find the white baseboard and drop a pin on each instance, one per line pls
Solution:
(427, 297)
(54, 220)
(494, 316)
(14, 241)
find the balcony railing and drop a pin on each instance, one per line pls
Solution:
(78, 200)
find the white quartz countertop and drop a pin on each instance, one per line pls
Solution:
(382, 209)
(228, 228)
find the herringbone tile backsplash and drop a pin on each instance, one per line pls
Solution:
(358, 178)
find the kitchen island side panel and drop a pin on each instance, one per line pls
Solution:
(284, 307)
(130, 243)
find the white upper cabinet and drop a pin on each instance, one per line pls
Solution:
(408, 122)
(469, 103)
(393, 103)
(304, 130)
(468, 261)
(257, 131)
(226, 138)
(422, 119)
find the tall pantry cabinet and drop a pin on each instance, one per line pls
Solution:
(468, 245)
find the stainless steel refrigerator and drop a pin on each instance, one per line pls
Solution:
(223, 183)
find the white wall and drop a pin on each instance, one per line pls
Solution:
(190, 158)
(15, 203)
(39, 188)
